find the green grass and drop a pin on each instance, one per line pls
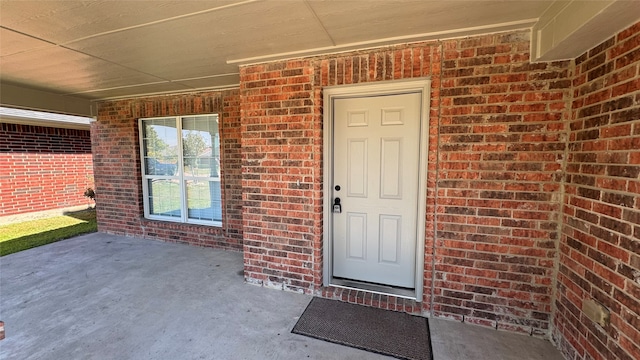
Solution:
(34, 233)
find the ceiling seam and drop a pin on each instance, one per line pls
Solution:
(27, 35)
(208, 76)
(162, 79)
(63, 43)
(89, 55)
(333, 42)
(113, 62)
(178, 82)
(117, 87)
(160, 21)
(170, 92)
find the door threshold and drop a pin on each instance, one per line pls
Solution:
(374, 288)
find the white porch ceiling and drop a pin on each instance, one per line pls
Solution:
(99, 49)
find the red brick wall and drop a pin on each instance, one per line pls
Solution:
(600, 244)
(500, 154)
(43, 168)
(281, 177)
(232, 166)
(497, 141)
(116, 152)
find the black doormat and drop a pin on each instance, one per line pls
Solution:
(380, 331)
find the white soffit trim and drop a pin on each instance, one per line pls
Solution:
(569, 29)
(41, 118)
(437, 35)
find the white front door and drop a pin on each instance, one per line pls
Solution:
(376, 159)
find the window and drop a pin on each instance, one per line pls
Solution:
(181, 169)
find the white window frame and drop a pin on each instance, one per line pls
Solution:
(184, 218)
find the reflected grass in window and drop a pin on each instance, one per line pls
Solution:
(164, 197)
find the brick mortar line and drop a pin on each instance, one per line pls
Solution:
(561, 212)
(489, 303)
(608, 190)
(602, 227)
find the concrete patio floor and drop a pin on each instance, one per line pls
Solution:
(100, 296)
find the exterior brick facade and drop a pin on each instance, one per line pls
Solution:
(500, 155)
(532, 181)
(497, 140)
(43, 168)
(281, 177)
(600, 243)
(118, 175)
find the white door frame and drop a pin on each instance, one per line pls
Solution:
(422, 86)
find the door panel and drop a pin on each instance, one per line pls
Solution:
(390, 171)
(356, 235)
(357, 151)
(390, 238)
(376, 158)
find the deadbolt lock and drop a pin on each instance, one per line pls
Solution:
(337, 207)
